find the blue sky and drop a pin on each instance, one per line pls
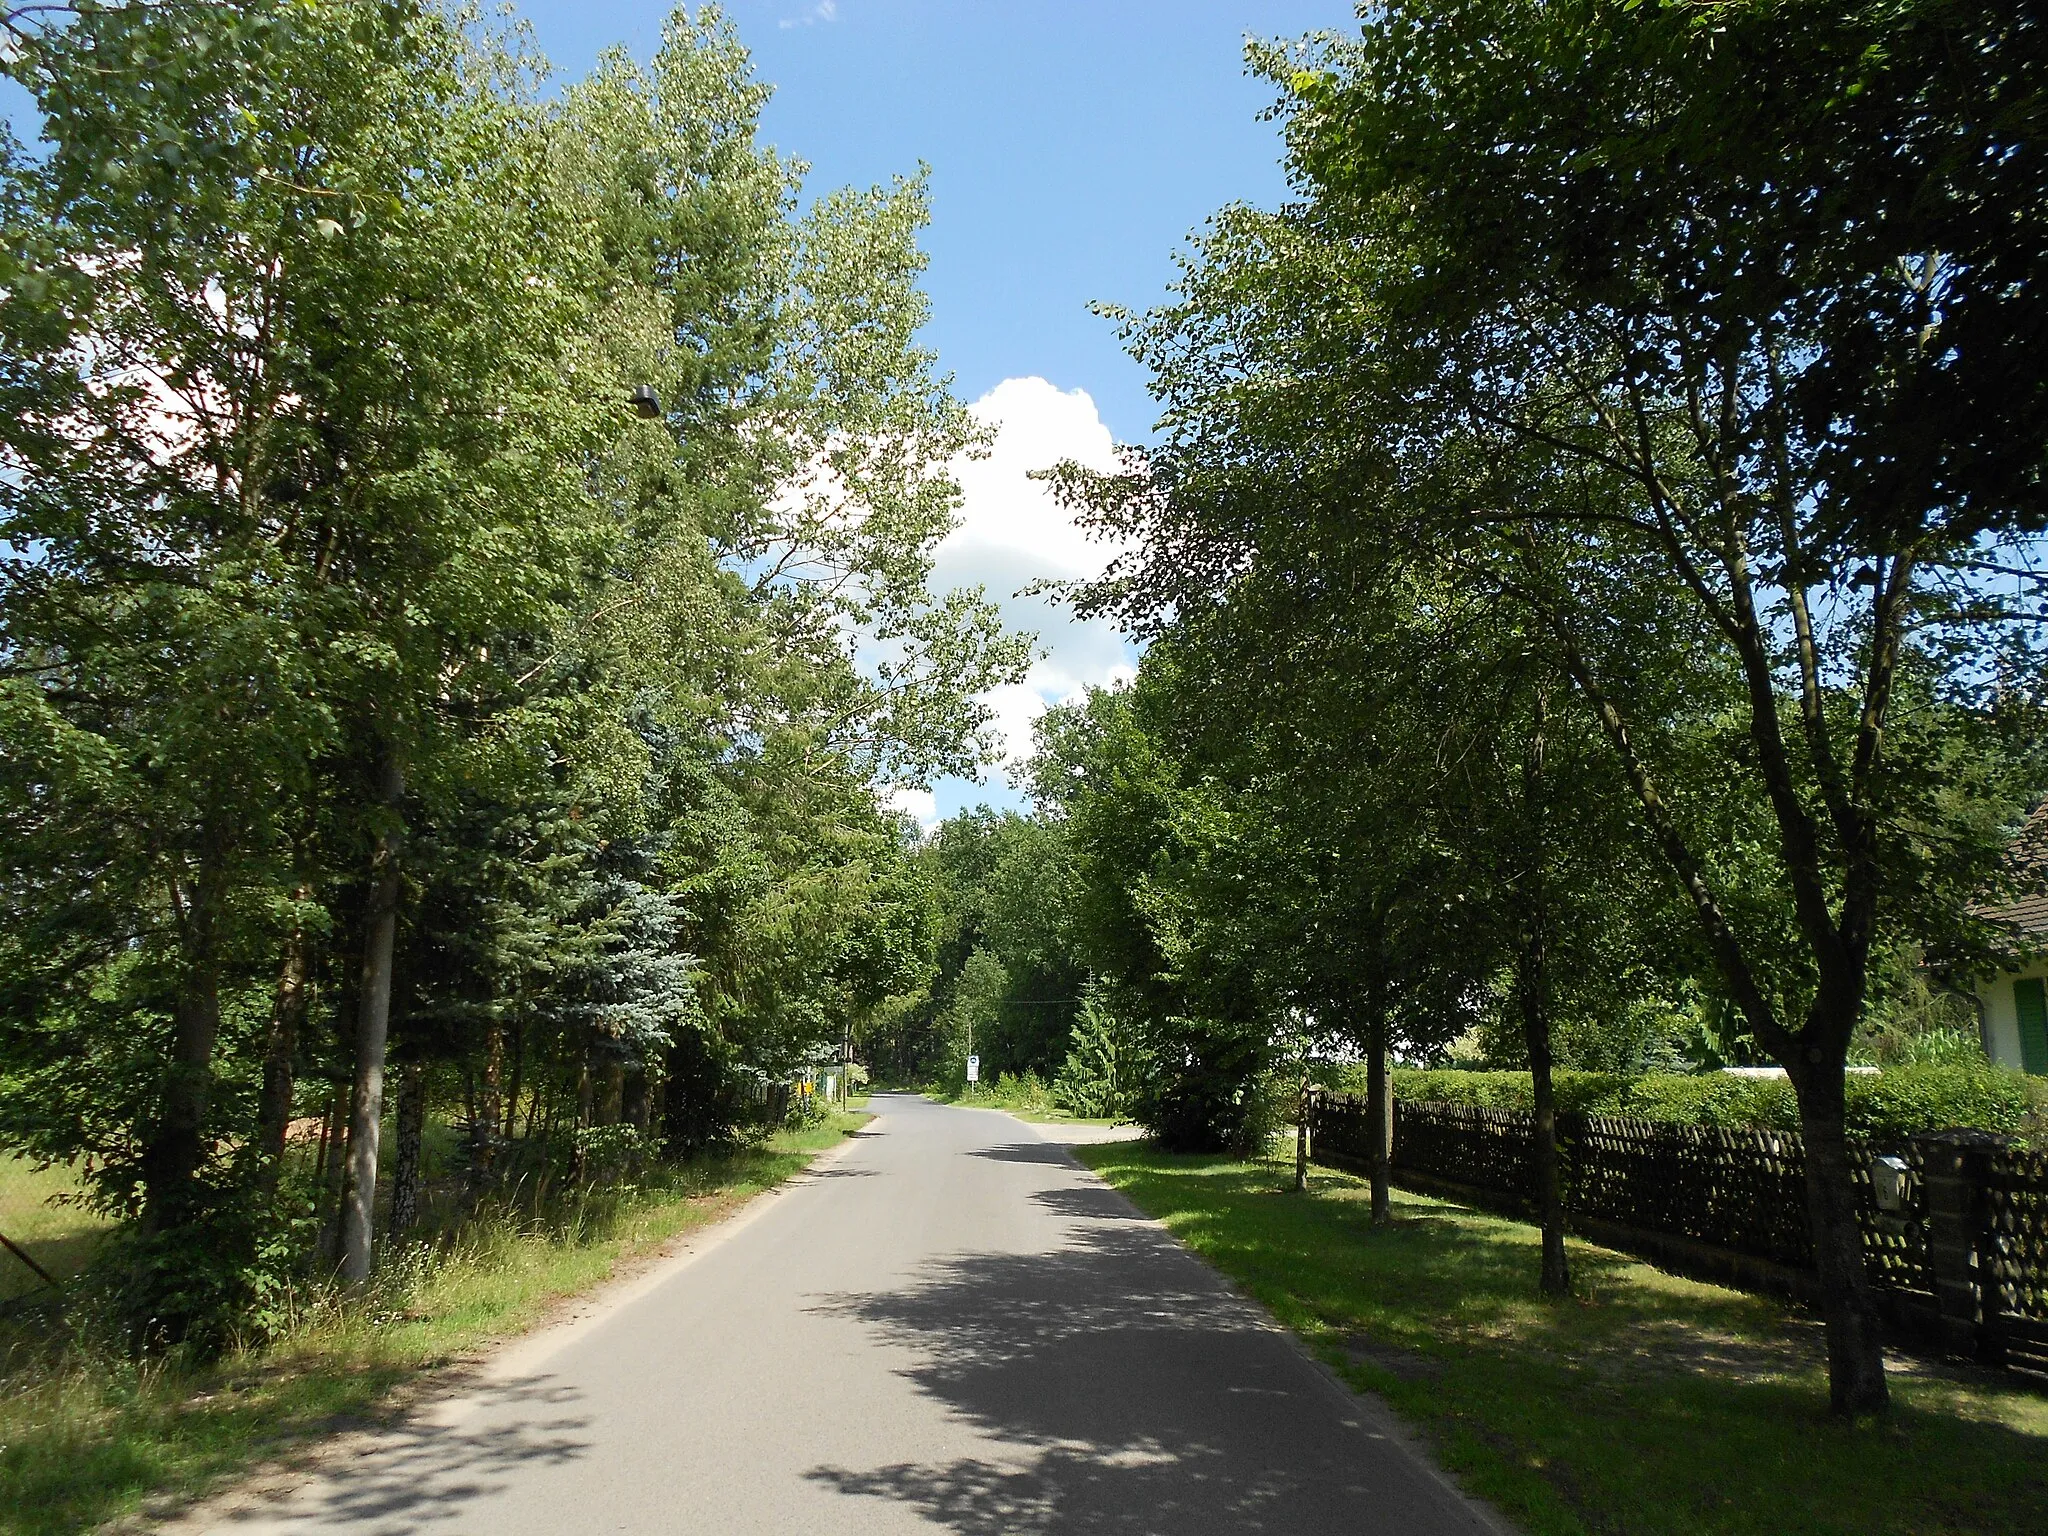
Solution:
(1073, 147)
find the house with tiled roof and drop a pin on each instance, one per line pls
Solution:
(2012, 1006)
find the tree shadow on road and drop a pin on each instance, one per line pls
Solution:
(1125, 1388)
(1046, 1153)
(418, 1474)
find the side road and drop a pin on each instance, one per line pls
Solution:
(954, 1327)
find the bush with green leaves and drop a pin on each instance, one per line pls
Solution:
(1202, 1093)
(1018, 1090)
(1886, 1105)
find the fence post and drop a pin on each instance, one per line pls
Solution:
(1571, 1126)
(1304, 1115)
(1956, 1168)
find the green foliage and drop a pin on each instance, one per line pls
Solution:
(608, 1153)
(1886, 1106)
(1902, 1100)
(230, 1275)
(327, 536)
(1204, 1090)
(1913, 1019)
(1940, 1048)
(1003, 890)
(1104, 1067)
(1596, 478)
(1026, 1091)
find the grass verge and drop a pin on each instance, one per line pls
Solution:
(1643, 1404)
(1053, 1117)
(61, 1238)
(85, 1440)
(1027, 1098)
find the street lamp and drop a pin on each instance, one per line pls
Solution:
(646, 403)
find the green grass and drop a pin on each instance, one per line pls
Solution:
(86, 1439)
(1027, 1097)
(61, 1238)
(1053, 1117)
(1644, 1404)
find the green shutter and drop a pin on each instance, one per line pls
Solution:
(2032, 1007)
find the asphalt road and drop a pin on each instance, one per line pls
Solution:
(951, 1327)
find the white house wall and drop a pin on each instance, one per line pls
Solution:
(2001, 1016)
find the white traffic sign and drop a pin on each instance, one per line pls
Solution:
(974, 1069)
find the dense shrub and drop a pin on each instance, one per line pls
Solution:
(1201, 1093)
(222, 1278)
(1903, 1100)
(707, 1099)
(1495, 1090)
(1026, 1091)
(1896, 1102)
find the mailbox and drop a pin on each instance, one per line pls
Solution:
(1888, 1182)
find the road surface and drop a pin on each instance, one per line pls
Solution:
(950, 1328)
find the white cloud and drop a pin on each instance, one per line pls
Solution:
(918, 803)
(824, 10)
(1013, 533)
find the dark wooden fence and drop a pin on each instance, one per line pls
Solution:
(1964, 1253)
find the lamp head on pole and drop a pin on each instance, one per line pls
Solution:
(646, 403)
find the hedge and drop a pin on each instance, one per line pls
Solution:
(1896, 1102)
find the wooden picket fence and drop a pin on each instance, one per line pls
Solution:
(1965, 1254)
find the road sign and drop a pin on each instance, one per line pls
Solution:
(974, 1069)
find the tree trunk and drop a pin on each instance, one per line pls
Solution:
(636, 1099)
(344, 1163)
(1379, 1115)
(533, 1108)
(583, 1112)
(1301, 1108)
(405, 1170)
(511, 1125)
(332, 1182)
(1532, 978)
(488, 1112)
(334, 1188)
(1557, 1277)
(1856, 1382)
(280, 1056)
(326, 1140)
(177, 1147)
(373, 1019)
